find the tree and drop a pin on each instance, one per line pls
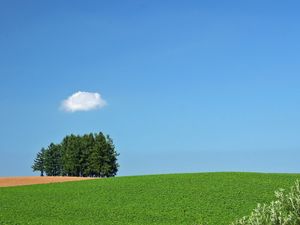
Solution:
(97, 156)
(71, 155)
(112, 166)
(87, 143)
(103, 157)
(39, 162)
(91, 155)
(53, 162)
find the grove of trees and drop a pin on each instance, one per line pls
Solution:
(90, 155)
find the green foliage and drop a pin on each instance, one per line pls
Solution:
(285, 210)
(91, 155)
(71, 148)
(53, 165)
(39, 162)
(178, 199)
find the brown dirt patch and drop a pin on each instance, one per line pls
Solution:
(17, 181)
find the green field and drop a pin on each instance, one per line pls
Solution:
(211, 198)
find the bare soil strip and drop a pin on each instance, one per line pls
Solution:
(18, 181)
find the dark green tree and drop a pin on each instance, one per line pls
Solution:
(103, 157)
(112, 166)
(87, 144)
(96, 157)
(91, 155)
(53, 161)
(71, 155)
(66, 147)
(39, 162)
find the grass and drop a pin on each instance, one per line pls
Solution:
(185, 199)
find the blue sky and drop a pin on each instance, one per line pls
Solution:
(189, 86)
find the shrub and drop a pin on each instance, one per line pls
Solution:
(285, 210)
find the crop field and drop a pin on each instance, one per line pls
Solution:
(183, 199)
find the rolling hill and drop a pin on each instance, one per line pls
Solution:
(183, 199)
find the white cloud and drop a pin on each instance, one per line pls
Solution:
(83, 101)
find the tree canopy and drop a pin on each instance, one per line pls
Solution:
(90, 155)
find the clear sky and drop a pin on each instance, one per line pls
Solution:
(188, 86)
